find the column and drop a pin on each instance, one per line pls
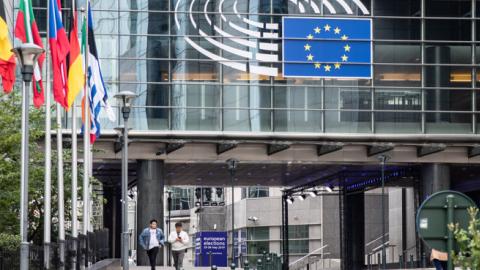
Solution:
(112, 217)
(150, 188)
(435, 177)
(355, 231)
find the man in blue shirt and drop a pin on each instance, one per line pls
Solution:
(151, 239)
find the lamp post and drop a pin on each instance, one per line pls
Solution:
(27, 54)
(383, 160)
(232, 166)
(125, 98)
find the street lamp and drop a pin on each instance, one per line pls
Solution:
(232, 166)
(27, 54)
(125, 98)
(383, 160)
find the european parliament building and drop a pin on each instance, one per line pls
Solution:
(305, 94)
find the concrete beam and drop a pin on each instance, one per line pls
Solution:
(430, 149)
(329, 148)
(474, 151)
(274, 148)
(226, 146)
(376, 149)
(171, 147)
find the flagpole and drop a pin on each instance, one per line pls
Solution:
(47, 217)
(74, 172)
(60, 187)
(86, 138)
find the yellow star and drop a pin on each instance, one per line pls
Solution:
(344, 37)
(317, 30)
(344, 58)
(317, 65)
(310, 57)
(337, 30)
(310, 36)
(347, 48)
(337, 66)
(327, 27)
(327, 68)
(307, 47)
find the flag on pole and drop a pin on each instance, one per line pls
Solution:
(76, 76)
(7, 58)
(59, 48)
(27, 31)
(98, 97)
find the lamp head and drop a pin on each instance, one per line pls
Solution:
(28, 54)
(232, 164)
(125, 98)
(119, 130)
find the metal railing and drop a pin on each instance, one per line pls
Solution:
(306, 260)
(84, 250)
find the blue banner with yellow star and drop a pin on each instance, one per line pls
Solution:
(327, 47)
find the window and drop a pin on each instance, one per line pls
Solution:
(255, 192)
(258, 240)
(298, 236)
(182, 198)
(397, 7)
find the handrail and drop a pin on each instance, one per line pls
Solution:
(376, 239)
(307, 256)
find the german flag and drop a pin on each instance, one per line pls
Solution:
(7, 58)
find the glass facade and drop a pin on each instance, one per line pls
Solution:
(215, 65)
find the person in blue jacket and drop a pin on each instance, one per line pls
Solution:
(151, 239)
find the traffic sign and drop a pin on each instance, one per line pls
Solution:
(434, 215)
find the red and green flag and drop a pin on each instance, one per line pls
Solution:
(27, 31)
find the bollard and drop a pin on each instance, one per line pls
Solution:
(400, 261)
(210, 258)
(233, 266)
(411, 260)
(424, 260)
(260, 264)
(214, 267)
(246, 265)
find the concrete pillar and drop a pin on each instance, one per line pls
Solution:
(435, 177)
(150, 188)
(112, 217)
(355, 231)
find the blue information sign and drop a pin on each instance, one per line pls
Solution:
(211, 249)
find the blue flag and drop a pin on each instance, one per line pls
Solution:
(327, 47)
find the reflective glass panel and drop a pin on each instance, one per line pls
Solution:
(440, 8)
(397, 7)
(397, 53)
(397, 29)
(449, 123)
(448, 30)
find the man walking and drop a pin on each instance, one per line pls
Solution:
(151, 239)
(179, 240)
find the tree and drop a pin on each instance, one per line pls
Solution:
(10, 164)
(468, 241)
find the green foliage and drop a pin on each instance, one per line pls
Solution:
(10, 164)
(468, 241)
(9, 242)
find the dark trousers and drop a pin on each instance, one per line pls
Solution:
(178, 259)
(440, 265)
(152, 256)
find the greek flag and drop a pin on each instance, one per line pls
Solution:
(98, 92)
(327, 47)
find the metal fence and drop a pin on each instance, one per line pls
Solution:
(84, 250)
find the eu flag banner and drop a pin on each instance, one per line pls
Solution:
(327, 47)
